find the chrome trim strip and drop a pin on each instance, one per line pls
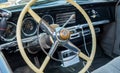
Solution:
(97, 23)
(102, 22)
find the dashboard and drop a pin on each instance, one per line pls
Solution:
(58, 15)
(100, 14)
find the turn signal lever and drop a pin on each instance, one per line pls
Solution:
(4, 16)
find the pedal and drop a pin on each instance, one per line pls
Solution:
(37, 63)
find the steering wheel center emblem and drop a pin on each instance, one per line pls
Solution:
(64, 34)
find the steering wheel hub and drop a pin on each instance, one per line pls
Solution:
(64, 34)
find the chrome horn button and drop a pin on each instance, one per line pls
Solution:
(64, 34)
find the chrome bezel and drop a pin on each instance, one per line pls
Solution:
(35, 31)
(7, 40)
(49, 16)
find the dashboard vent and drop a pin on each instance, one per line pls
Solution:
(61, 18)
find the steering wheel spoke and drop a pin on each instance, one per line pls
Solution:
(71, 46)
(43, 24)
(51, 52)
(75, 49)
(53, 48)
(46, 27)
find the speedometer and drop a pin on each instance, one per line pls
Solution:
(10, 32)
(29, 27)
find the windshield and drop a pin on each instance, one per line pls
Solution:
(9, 3)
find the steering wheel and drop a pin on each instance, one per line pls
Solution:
(58, 35)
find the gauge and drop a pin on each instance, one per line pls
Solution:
(10, 32)
(48, 18)
(29, 27)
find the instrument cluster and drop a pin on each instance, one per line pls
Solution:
(29, 25)
(29, 28)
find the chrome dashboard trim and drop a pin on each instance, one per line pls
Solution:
(102, 22)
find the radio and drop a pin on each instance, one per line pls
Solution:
(76, 31)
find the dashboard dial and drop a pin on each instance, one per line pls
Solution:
(48, 18)
(10, 32)
(29, 27)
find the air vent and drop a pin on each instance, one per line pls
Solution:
(63, 17)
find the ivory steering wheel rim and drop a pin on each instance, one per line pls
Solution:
(38, 19)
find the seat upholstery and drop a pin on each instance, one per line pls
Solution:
(111, 67)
